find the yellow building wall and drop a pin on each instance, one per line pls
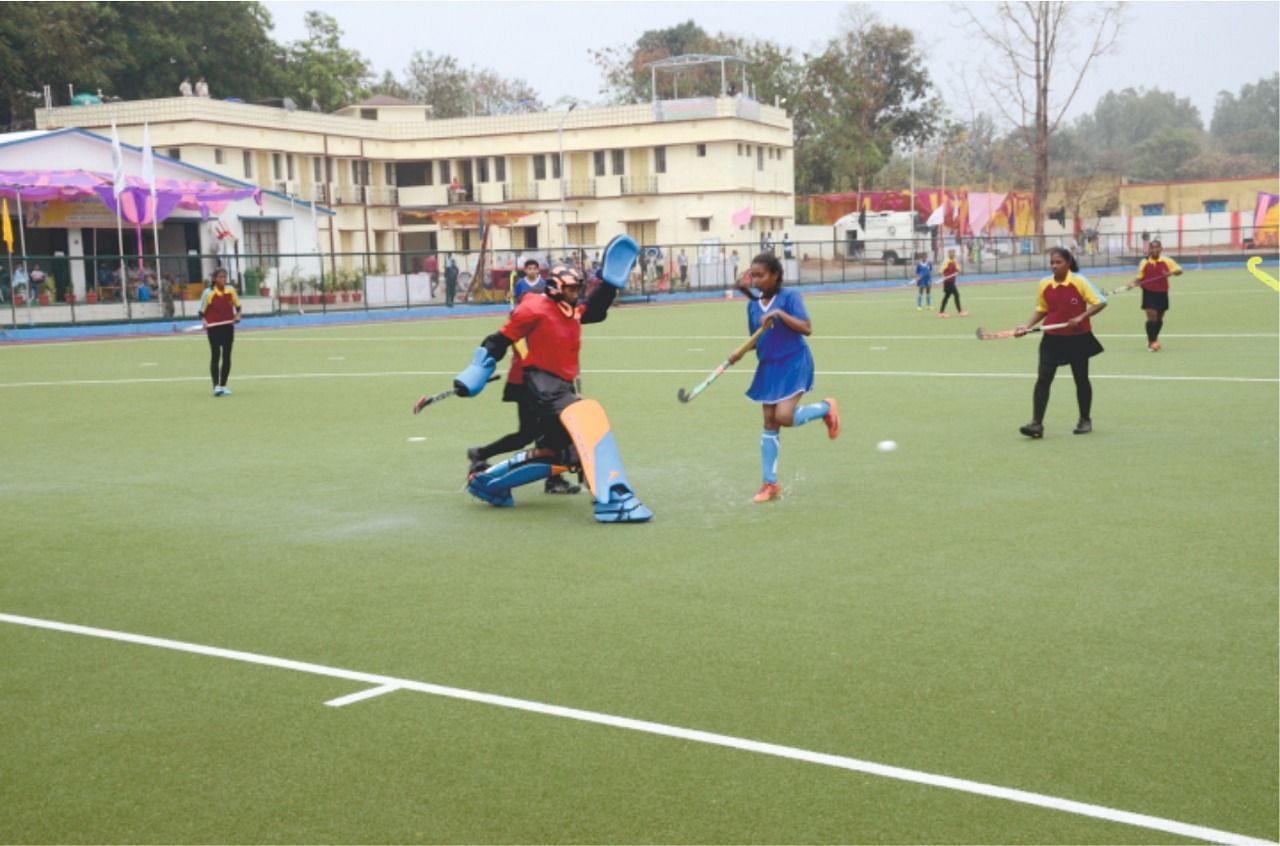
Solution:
(1189, 197)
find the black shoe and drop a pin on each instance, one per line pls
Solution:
(1084, 427)
(559, 485)
(1032, 430)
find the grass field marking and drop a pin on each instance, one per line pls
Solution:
(383, 374)
(361, 695)
(383, 684)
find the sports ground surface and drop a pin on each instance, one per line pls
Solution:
(276, 617)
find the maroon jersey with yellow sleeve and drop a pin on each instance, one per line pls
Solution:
(553, 331)
(219, 306)
(950, 271)
(1061, 301)
(1155, 273)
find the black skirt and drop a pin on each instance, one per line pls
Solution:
(1155, 300)
(1066, 349)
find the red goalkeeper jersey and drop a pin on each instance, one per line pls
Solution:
(553, 331)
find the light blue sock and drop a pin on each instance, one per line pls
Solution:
(805, 413)
(769, 454)
(919, 298)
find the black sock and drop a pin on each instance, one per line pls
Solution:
(1151, 331)
(1159, 324)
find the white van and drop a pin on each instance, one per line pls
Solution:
(891, 237)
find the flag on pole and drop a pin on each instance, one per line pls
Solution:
(8, 227)
(741, 217)
(117, 164)
(939, 214)
(148, 160)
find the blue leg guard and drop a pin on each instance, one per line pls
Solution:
(587, 424)
(494, 485)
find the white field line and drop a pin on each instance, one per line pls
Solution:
(449, 374)
(361, 695)
(383, 684)
(650, 339)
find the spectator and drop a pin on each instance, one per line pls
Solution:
(432, 268)
(788, 249)
(184, 88)
(202, 88)
(683, 262)
(450, 281)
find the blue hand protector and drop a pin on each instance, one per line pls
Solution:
(471, 381)
(619, 257)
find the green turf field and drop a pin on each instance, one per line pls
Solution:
(1090, 619)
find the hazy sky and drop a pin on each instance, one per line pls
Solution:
(1194, 49)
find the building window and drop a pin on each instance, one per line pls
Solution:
(500, 168)
(389, 173)
(702, 151)
(217, 155)
(555, 167)
(175, 154)
(482, 169)
(276, 168)
(444, 172)
(429, 173)
(369, 114)
(659, 159)
(317, 170)
(739, 149)
(759, 158)
(261, 242)
(619, 162)
(288, 160)
(1152, 209)
(599, 162)
(704, 224)
(539, 167)
(1215, 206)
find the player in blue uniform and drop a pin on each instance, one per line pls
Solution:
(924, 282)
(785, 368)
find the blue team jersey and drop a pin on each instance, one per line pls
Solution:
(924, 272)
(778, 341)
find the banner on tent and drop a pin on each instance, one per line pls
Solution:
(70, 214)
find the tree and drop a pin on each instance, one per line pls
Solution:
(1032, 39)
(1165, 152)
(627, 79)
(161, 42)
(453, 91)
(1247, 124)
(391, 87)
(865, 93)
(318, 68)
(49, 44)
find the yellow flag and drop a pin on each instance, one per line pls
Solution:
(8, 227)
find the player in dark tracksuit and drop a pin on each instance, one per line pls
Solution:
(219, 313)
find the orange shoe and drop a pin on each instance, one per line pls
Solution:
(1154, 346)
(768, 491)
(832, 419)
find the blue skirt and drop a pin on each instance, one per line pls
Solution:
(778, 379)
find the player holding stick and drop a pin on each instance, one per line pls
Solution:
(573, 431)
(785, 368)
(1067, 298)
(1153, 276)
(219, 313)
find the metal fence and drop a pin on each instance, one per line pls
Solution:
(61, 290)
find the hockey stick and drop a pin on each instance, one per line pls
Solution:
(200, 327)
(1261, 275)
(685, 396)
(423, 402)
(1013, 333)
(1134, 284)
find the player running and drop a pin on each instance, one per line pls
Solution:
(572, 432)
(785, 368)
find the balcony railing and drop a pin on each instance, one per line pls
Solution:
(519, 191)
(579, 187)
(381, 195)
(639, 185)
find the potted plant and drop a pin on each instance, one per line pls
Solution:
(357, 286)
(90, 296)
(70, 296)
(48, 290)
